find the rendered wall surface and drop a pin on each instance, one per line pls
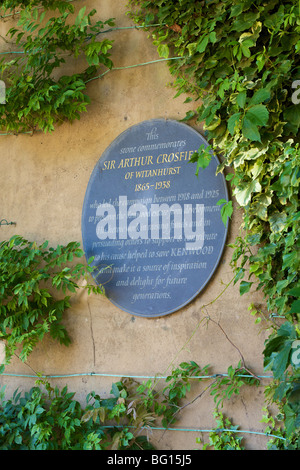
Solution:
(43, 181)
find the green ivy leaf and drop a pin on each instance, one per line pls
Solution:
(80, 16)
(289, 259)
(260, 96)
(202, 157)
(278, 221)
(280, 361)
(236, 10)
(245, 286)
(232, 122)
(258, 114)
(115, 390)
(295, 292)
(226, 210)
(295, 307)
(163, 51)
(292, 115)
(250, 130)
(203, 43)
(244, 192)
(241, 98)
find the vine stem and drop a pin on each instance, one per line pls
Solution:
(180, 408)
(194, 331)
(132, 66)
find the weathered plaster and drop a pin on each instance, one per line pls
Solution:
(43, 180)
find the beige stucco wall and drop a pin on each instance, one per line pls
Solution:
(43, 181)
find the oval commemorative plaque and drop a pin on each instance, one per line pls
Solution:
(152, 226)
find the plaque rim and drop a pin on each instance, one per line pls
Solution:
(105, 154)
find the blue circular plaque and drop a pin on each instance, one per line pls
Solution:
(152, 226)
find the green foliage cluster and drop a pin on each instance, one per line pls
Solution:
(34, 283)
(225, 436)
(282, 356)
(241, 60)
(38, 95)
(46, 418)
(31, 423)
(55, 420)
(278, 440)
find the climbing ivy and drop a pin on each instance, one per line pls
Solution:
(39, 95)
(240, 60)
(225, 436)
(35, 286)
